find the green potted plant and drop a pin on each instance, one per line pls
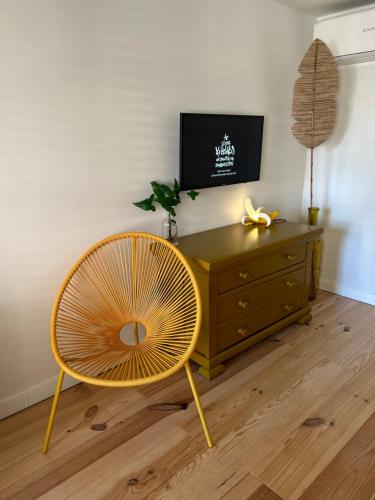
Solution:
(168, 198)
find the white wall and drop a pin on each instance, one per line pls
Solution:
(90, 96)
(345, 188)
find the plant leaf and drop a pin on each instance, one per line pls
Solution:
(161, 189)
(146, 204)
(165, 196)
(314, 99)
(160, 196)
(176, 187)
(176, 191)
(192, 194)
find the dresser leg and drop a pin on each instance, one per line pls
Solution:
(210, 373)
(305, 320)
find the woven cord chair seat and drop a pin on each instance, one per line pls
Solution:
(132, 278)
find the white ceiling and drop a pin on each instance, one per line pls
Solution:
(323, 7)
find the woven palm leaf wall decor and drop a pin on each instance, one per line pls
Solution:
(314, 99)
(314, 112)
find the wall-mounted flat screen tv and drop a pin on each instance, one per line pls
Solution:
(216, 150)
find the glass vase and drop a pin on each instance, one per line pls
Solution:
(169, 230)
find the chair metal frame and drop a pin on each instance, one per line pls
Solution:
(178, 355)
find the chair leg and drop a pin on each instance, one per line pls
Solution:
(198, 403)
(53, 411)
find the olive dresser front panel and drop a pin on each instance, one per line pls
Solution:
(249, 298)
(253, 269)
(236, 330)
(248, 308)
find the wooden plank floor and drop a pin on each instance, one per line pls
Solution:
(291, 418)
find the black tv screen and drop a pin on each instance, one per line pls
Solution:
(216, 150)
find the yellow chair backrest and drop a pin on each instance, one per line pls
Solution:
(135, 278)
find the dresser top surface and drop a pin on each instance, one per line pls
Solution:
(220, 244)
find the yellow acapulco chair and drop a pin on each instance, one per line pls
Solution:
(130, 278)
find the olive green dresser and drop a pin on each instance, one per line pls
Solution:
(254, 281)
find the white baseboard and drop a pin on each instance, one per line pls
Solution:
(13, 404)
(32, 395)
(347, 291)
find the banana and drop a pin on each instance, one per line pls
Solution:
(259, 216)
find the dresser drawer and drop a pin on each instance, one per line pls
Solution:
(236, 330)
(257, 268)
(248, 298)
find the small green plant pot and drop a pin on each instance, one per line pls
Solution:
(313, 216)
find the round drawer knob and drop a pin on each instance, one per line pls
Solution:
(291, 284)
(288, 307)
(243, 304)
(242, 332)
(291, 257)
(244, 275)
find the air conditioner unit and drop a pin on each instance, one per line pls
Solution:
(349, 35)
